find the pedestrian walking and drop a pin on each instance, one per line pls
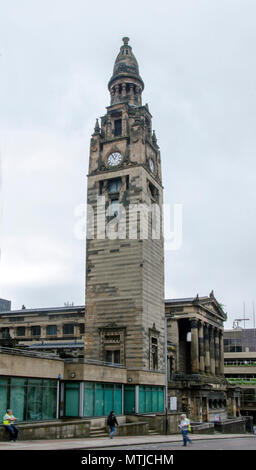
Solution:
(185, 428)
(112, 423)
(8, 422)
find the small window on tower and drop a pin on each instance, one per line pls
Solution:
(118, 127)
(113, 357)
(114, 186)
(154, 353)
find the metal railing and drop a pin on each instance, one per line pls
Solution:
(241, 380)
(25, 352)
(81, 360)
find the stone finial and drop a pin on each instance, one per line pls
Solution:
(125, 41)
(97, 127)
(154, 139)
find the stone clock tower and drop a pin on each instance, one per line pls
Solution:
(124, 322)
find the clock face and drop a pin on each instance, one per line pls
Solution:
(114, 159)
(151, 165)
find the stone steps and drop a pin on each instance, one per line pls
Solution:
(98, 432)
(152, 431)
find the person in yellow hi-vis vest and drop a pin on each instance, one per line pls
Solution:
(185, 428)
(8, 421)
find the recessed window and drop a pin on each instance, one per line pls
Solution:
(68, 329)
(113, 356)
(114, 186)
(21, 330)
(5, 333)
(154, 353)
(35, 330)
(51, 330)
(153, 191)
(118, 127)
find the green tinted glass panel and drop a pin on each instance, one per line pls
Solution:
(154, 399)
(118, 400)
(142, 400)
(72, 392)
(34, 400)
(148, 399)
(49, 408)
(88, 398)
(3, 397)
(99, 400)
(17, 397)
(161, 399)
(108, 399)
(129, 399)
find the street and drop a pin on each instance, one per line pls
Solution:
(247, 443)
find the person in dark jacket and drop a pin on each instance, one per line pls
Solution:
(112, 423)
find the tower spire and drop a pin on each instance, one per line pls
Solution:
(126, 84)
(126, 40)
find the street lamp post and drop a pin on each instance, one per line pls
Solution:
(166, 374)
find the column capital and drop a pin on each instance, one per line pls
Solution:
(216, 331)
(194, 322)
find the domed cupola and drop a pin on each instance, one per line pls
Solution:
(126, 83)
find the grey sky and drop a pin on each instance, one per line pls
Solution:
(197, 59)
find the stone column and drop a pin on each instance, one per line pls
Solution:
(123, 89)
(212, 350)
(221, 352)
(201, 348)
(207, 349)
(112, 93)
(132, 95)
(217, 352)
(116, 92)
(194, 347)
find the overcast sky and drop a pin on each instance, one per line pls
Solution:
(197, 60)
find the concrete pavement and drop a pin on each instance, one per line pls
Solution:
(93, 444)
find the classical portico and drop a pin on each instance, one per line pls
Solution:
(207, 354)
(196, 356)
(199, 327)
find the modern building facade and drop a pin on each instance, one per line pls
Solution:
(240, 340)
(5, 305)
(240, 365)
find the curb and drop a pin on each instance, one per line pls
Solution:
(171, 440)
